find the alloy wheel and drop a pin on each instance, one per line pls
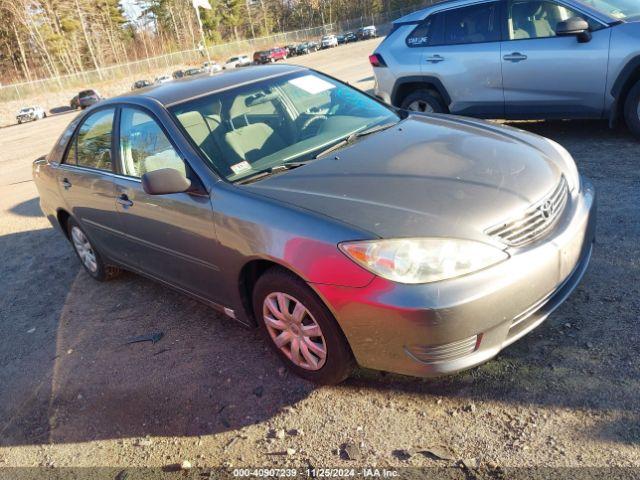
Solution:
(84, 249)
(420, 106)
(294, 331)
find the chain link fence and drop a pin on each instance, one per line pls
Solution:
(173, 61)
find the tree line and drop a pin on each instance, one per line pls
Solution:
(49, 38)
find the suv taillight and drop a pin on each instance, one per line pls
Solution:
(376, 60)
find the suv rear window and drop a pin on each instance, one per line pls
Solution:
(472, 24)
(429, 32)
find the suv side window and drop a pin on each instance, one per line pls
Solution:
(539, 18)
(91, 147)
(473, 24)
(427, 33)
(143, 145)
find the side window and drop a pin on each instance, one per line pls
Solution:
(93, 141)
(473, 24)
(427, 33)
(539, 19)
(143, 145)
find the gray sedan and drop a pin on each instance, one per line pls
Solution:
(350, 232)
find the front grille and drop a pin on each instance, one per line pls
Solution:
(536, 221)
(448, 351)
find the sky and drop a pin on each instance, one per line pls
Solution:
(131, 10)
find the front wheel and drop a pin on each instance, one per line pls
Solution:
(423, 101)
(301, 329)
(89, 257)
(632, 109)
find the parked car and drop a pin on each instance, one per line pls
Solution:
(556, 59)
(163, 79)
(89, 97)
(238, 61)
(350, 37)
(29, 114)
(270, 56)
(365, 33)
(192, 72)
(479, 233)
(291, 50)
(140, 84)
(342, 39)
(306, 47)
(178, 74)
(211, 67)
(74, 103)
(329, 41)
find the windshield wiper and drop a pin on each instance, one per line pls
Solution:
(351, 137)
(267, 172)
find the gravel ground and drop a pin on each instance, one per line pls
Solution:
(210, 392)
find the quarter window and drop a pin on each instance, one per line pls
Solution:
(92, 145)
(473, 24)
(143, 145)
(429, 32)
(539, 19)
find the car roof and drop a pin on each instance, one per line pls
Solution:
(419, 15)
(183, 89)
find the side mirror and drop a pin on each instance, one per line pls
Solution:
(574, 26)
(165, 181)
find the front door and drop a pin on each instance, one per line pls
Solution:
(545, 75)
(170, 237)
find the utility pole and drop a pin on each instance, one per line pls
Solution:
(196, 5)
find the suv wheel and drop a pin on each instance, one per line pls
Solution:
(423, 101)
(300, 328)
(632, 109)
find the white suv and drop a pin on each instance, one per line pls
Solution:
(515, 59)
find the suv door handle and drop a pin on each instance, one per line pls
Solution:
(66, 183)
(435, 59)
(515, 57)
(124, 201)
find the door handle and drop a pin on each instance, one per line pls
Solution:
(515, 57)
(66, 183)
(435, 59)
(124, 201)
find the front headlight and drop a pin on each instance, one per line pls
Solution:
(568, 166)
(422, 260)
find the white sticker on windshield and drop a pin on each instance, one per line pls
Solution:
(240, 167)
(312, 84)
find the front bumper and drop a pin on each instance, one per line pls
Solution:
(444, 327)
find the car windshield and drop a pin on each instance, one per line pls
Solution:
(277, 122)
(620, 9)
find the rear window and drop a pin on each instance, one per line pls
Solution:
(472, 24)
(86, 93)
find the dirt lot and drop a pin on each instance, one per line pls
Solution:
(73, 394)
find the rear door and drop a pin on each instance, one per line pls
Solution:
(460, 47)
(85, 181)
(169, 237)
(547, 76)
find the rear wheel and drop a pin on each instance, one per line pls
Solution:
(632, 109)
(423, 101)
(89, 257)
(300, 328)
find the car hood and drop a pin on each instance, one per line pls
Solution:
(426, 176)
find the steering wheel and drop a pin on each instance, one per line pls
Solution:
(310, 121)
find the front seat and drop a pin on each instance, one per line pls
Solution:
(254, 141)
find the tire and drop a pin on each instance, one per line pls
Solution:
(278, 287)
(423, 101)
(632, 109)
(89, 257)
